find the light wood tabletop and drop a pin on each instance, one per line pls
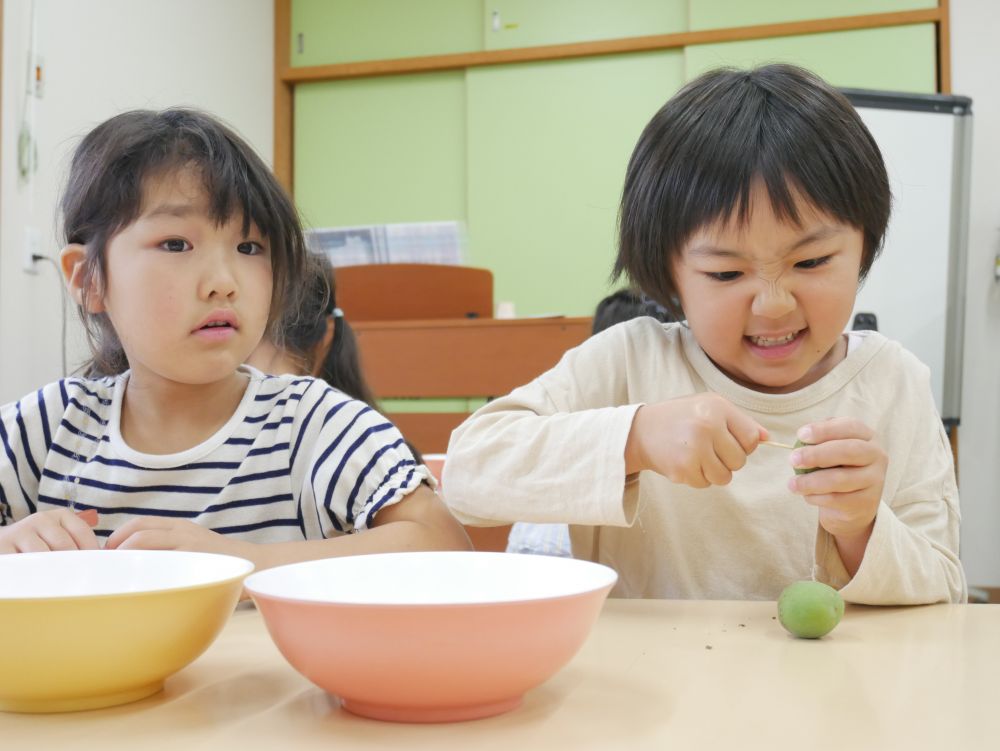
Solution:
(657, 674)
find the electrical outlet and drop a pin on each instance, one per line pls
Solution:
(32, 247)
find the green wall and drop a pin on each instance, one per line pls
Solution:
(548, 146)
(532, 155)
(381, 150)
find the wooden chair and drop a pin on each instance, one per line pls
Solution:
(413, 291)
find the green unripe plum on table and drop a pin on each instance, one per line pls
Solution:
(810, 609)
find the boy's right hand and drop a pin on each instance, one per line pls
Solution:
(43, 531)
(697, 440)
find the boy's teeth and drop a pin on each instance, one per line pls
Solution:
(763, 341)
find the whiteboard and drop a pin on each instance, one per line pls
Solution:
(916, 287)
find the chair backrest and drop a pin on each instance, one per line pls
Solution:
(414, 291)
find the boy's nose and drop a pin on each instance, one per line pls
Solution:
(772, 300)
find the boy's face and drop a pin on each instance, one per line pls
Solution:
(188, 299)
(768, 301)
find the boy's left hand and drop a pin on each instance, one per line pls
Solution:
(847, 484)
(162, 533)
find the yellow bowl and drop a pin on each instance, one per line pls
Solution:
(95, 628)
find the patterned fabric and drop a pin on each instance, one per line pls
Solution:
(298, 460)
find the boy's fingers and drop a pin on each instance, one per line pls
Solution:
(747, 431)
(848, 452)
(834, 429)
(730, 452)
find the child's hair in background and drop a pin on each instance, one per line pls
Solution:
(698, 158)
(624, 305)
(104, 193)
(318, 336)
(321, 341)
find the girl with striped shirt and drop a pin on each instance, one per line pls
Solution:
(181, 250)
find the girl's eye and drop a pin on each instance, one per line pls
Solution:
(812, 263)
(250, 248)
(175, 245)
(724, 276)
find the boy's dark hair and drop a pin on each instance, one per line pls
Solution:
(104, 194)
(697, 159)
(624, 305)
(305, 333)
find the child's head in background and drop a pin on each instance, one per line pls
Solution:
(755, 202)
(146, 189)
(315, 338)
(624, 305)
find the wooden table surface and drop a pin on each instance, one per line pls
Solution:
(653, 675)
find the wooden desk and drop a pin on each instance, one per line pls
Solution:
(458, 358)
(653, 675)
(462, 357)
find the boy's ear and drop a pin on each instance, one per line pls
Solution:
(72, 260)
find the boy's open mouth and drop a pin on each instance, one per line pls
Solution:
(774, 341)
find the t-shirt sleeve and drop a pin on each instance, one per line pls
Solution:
(553, 449)
(26, 430)
(357, 462)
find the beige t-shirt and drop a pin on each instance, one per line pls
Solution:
(553, 451)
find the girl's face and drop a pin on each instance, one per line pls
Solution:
(189, 299)
(768, 301)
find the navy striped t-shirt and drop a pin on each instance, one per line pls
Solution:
(298, 460)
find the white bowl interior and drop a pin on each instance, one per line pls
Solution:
(436, 578)
(82, 573)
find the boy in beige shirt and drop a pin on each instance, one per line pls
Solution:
(754, 204)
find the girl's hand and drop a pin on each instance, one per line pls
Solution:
(847, 485)
(50, 530)
(697, 440)
(161, 533)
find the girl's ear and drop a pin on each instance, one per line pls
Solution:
(72, 260)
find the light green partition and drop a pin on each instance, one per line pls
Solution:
(340, 31)
(717, 14)
(548, 147)
(528, 23)
(381, 150)
(896, 58)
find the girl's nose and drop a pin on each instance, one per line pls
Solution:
(218, 279)
(772, 300)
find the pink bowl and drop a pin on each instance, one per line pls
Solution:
(431, 637)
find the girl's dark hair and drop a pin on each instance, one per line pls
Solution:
(697, 159)
(304, 333)
(104, 194)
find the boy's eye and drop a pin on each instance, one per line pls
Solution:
(250, 248)
(812, 263)
(724, 276)
(175, 245)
